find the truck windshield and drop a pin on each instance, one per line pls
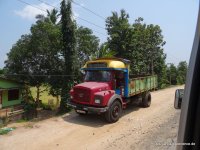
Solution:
(98, 76)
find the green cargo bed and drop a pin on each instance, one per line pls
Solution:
(141, 84)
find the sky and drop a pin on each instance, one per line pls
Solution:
(177, 19)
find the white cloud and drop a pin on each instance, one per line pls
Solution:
(75, 15)
(29, 12)
(82, 4)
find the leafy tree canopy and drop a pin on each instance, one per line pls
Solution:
(139, 42)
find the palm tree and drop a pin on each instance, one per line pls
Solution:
(103, 51)
(52, 15)
(40, 18)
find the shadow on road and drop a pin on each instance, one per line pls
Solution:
(94, 120)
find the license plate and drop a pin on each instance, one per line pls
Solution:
(81, 111)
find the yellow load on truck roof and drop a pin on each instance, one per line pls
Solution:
(108, 63)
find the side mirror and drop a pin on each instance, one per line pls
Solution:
(178, 98)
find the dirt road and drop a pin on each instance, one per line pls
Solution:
(138, 128)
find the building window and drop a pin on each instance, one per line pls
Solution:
(13, 94)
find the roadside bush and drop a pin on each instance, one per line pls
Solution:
(46, 106)
(30, 110)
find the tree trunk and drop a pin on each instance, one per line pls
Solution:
(38, 93)
(57, 101)
(26, 94)
(37, 100)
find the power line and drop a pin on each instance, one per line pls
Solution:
(89, 22)
(41, 75)
(31, 5)
(47, 4)
(99, 32)
(58, 8)
(89, 10)
(74, 16)
(78, 16)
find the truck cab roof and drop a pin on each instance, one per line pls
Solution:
(108, 63)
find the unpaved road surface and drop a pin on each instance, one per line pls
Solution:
(139, 128)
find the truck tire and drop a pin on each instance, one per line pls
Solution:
(146, 100)
(114, 112)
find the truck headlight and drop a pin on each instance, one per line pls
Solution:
(97, 101)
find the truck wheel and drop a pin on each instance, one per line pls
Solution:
(146, 100)
(114, 112)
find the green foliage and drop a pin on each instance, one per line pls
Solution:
(120, 34)
(87, 44)
(36, 54)
(53, 52)
(15, 62)
(5, 130)
(172, 74)
(52, 15)
(182, 71)
(140, 43)
(21, 120)
(104, 51)
(29, 106)
(30, 109)
(45, 97)
(177, 75)
(68, 52)
(46, 107)
(2, 71)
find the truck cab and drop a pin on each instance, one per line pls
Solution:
(106, 88)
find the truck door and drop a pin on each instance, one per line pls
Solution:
(120, 81)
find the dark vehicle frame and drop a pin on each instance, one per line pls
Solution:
(189, 125)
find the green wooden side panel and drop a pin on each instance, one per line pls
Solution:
(142, 84)
(8, 84)
(5, 85)
(6, 103)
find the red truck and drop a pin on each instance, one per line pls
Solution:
(108, 88)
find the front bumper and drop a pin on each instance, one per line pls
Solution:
(87, 108)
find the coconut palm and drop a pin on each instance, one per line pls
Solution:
(52, 15)
(103, 51)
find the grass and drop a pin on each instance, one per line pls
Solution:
(4, 131)
(45, 97)
(21, 121)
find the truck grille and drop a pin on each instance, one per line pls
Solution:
(82, 95)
